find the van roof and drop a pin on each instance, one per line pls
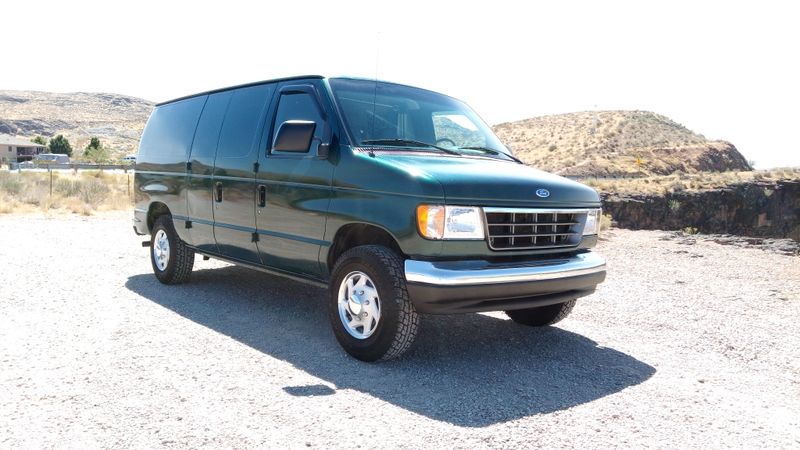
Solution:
(298, 77)
(256, 83)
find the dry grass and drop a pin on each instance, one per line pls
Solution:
(681, 182)
(83, 193)
(605, 222)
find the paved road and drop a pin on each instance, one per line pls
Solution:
(685, 346)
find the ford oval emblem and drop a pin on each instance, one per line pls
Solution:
(543, 193)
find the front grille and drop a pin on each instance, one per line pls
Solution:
(520, 229)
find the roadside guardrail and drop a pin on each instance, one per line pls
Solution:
(72, 166)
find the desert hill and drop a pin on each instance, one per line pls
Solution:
(609, 143)
(602, 143)
(117, 120)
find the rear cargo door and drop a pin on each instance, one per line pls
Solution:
(233, 180)
(199, 182)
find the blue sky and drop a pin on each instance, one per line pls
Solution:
(728, 70)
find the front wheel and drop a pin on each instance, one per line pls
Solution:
(543, 315)
(172, 260)
(369, 309)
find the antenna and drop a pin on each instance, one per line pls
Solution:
(377, 52)
(375, 91)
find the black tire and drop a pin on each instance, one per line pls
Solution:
(397, 327)
(180, 258)
(543, 315)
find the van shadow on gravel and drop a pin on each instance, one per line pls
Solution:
(469, 370)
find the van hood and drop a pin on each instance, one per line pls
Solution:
(492, 182)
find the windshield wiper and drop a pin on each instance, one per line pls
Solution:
(407, 143)
(492, 151)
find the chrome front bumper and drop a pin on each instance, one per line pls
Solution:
(445, 273)
(469, 286)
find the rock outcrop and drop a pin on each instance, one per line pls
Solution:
(761, 209)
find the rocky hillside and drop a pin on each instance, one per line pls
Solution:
(604, 143)
(761, 209)
(117, 120)
(609, 143)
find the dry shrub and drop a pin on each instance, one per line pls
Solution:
(7, 205)
(34, 194)
(66, 187)
(77, 206)
(107, 177)
(117, 201)
(676, 186)
(47, 203)
(93, 192)
(605, 222)
(9, 183)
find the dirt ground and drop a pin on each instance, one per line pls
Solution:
(688, 344)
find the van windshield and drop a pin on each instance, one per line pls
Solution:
(391, 115)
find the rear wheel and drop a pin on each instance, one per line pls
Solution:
(369, 309)
(543, 315)
(172, 260)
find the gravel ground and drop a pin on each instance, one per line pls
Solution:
(688, 344)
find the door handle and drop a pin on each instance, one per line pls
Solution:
(262, 196)
(218, 192)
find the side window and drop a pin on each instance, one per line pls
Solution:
(241, 122)
(204, 146)
(299, 106)
(168, 135)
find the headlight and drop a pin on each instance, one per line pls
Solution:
(592, 225)
(450, 222)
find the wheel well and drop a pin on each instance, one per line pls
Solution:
(156, 210)
(356, 234)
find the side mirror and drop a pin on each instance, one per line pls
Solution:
(294, 136)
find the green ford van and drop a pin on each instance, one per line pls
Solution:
(399, 200)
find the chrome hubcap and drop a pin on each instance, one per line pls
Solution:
(359, 305)
(161, 250)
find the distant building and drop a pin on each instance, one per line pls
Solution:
(14, 149)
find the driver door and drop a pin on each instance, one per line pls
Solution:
(294, 188)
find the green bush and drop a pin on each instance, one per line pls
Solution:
(96, 152)
(97, 155)
(60, 144)
(39, 140)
